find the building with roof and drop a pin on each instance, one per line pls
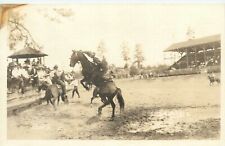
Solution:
(28, 53)
(197, 53)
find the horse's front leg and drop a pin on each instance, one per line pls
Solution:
(82, 83)
(58, 100)
(53, 102)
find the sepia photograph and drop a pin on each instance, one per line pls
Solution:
(113, 71)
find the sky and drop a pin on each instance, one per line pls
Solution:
(154, 26)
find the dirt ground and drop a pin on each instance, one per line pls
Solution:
(183, 107)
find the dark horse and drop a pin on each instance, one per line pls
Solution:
(107, 90)
(52, 93)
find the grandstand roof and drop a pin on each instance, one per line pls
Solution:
(208, 41)
(27, 53)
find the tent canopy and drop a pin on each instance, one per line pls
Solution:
(27, 53)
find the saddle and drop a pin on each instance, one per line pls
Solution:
(107, 79)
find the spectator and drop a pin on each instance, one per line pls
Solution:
(16, 72)
(34, 76)
(33, 62)
(75, 87)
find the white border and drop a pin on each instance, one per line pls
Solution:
(3, 118)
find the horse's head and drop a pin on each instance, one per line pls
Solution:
(74, 58)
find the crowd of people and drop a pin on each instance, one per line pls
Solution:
(199, 62)
(35, 73)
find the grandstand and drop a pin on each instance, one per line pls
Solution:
(197, 54)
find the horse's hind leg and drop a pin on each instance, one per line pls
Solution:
(113, 108)
(100, 108)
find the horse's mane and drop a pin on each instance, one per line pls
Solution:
(84, 53)
(88, 66)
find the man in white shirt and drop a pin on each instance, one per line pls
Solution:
(19, 74)
(16, 72)
(75, 87)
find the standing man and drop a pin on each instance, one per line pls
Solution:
(75, 87)
(34, 76)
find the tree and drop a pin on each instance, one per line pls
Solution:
(19, 33)
(160, 68)
(139, 58)
(134, 70)
(101, 49)
(125, 54)
(112, 67)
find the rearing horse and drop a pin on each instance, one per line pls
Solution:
(88, 67)
(107, 89)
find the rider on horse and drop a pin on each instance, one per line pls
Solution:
(101, 67)
(58, 77)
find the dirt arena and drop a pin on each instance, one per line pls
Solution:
(182, 107)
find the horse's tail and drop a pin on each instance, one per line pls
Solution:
(120, 99)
